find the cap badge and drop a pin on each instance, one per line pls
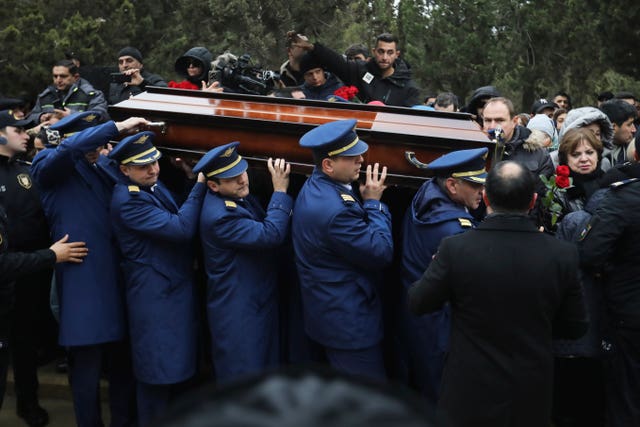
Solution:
(228, 152)
(142, 139)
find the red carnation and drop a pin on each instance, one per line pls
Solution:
(185, 84)
(346, 92)
(562, 181)
(562, 170)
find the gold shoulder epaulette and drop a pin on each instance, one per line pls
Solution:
(464, 222)
(134, 189)
(230, 204)
(347, 198)
(622, 183)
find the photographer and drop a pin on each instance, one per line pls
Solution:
(234, 74)
(133, 77)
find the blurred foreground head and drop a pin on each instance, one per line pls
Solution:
(297, 397)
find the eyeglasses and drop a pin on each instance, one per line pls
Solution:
(193, 64)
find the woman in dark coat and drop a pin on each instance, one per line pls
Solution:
(194, 66)
(578, 385)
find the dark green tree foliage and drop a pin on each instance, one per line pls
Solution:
(458, 48)
(620, 26)
(525, 48)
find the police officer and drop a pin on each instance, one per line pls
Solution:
(155, 238)
(240, 245)
(17, 264)
(439, 209)
(68, 94)
(341, 246)
(28, 232)
(76, 183)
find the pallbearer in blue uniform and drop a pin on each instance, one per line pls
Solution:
(240, 243)
(341, 245)
(76, 183)
(439, 209)
(156, 239)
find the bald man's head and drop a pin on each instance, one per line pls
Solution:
(510, 188)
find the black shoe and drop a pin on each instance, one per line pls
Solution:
(33, 414)
(62, 365)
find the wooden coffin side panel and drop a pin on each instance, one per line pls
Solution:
(271, 127)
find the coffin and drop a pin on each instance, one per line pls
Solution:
(403, 139)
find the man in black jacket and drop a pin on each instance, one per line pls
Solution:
(16, 264)
(130, 63)
(27, 232)
(511, 289)
(610, 246)
(385, 78)
(512, 140)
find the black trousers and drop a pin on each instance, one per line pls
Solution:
(32, 330)
(5, 352)
(622, 378)
(578, 392)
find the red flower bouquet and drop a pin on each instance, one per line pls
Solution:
(347, 92)
(556, 185)
(185, 84)
(562, 177)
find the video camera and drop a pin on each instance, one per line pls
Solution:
(238, 74)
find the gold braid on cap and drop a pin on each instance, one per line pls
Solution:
(465, 174)
(343, 149)
(137, 156)
(225, 168)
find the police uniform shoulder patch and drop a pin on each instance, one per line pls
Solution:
(133, 189)
(584, 232)
(347, 198)
(464, 222)
(622, 183)
(229, 204)
(24, 180)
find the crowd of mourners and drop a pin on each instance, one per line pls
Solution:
(149, 282)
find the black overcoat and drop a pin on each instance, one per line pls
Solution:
(511, 289)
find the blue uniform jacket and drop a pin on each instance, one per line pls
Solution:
(424, 339)
(431, 217)
(341, 246)
(156, 243)
(240, 251)
(76, 197)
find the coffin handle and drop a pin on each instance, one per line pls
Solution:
(162, 126)
(411, 158)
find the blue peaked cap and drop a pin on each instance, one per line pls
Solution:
(222, 162)
(337, 138)
(76, 122)
(469, 165)
(136, 149)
